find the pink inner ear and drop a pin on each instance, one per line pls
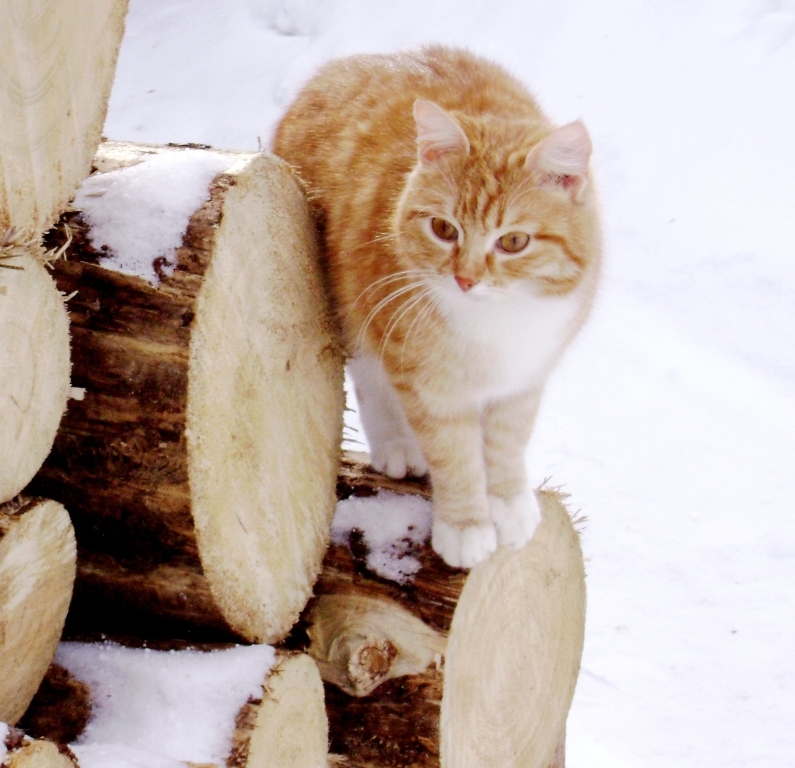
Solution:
(562, 158)
(437, 132)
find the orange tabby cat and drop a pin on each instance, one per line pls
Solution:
(462, 245)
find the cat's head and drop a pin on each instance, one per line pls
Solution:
(497, 205)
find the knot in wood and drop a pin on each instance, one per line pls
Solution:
(370, 661)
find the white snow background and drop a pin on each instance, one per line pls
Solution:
(671, 420)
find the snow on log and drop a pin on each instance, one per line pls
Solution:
(199, 467)
(244, 707)
(37, 570)
(427, 665)
(34, 361)
(57, 62)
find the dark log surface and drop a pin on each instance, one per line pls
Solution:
(119, 462)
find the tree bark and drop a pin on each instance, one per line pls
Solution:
(200, 466)
(58, 61)
(494, 663)
(37, 569)
(34, 361)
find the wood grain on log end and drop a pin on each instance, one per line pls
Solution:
(513, 628)
(34, 365)
(58, 62)
(37, 571)
(263, 422)
(514, 650)
(200, 465)
(288, 727)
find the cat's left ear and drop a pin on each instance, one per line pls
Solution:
(437, 132)
(562, 159)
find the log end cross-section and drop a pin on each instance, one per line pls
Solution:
(200, 465)
(37, 571)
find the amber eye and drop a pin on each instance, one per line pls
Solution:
(444, 230)
(513, 242)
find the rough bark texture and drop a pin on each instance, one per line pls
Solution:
(186, 525)
(513, 629)
(37, 570)
(57, 62)
(60, 709)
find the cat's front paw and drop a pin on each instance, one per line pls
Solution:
(516, 519)
(398, 458)
(463, 547)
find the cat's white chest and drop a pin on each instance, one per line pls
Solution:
(507, 347)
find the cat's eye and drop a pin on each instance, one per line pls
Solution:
(444, 230)
(513, 242)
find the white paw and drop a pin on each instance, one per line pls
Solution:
(398, 458)
(463, 547)
(516, 519)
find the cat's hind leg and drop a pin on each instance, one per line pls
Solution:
(394, 449)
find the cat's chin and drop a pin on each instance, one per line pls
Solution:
(515, 519)
(463, 547)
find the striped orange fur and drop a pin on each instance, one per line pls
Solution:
(462, 246)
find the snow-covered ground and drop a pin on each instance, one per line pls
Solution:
(672, 419)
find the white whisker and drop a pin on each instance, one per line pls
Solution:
(425, 312)
(396, 318)
(381, 305)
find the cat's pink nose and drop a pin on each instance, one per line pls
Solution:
(464, 283)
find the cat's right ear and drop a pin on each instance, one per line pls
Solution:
(437, 132)
(562, 158)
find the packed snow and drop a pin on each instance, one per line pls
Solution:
(139, 214)
(392, 525)
(671, 421)
(160, 708)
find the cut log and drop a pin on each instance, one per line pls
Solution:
(57, 62)
(23, 752)
(34, 362)
(286, 727)
(450, 668)
(199, 468)
(37, 570)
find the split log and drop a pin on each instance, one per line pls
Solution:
(450, 668)
(34, 362)
(199, 468)
(286, 728)
(57, 62)
(37, 569)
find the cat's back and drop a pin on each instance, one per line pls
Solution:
(359, 109)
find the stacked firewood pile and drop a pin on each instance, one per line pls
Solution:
(170, 464)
